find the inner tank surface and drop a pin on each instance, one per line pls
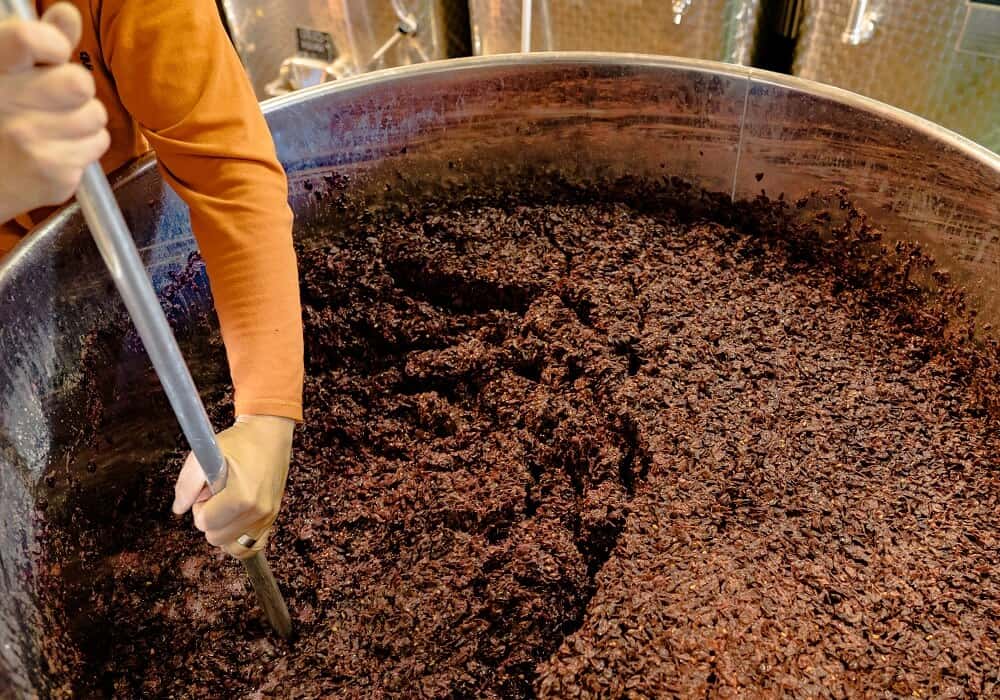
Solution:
(396, 139)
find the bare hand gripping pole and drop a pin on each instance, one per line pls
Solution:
(115, 243)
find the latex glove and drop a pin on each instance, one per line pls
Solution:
(51, 126)
(257, 450)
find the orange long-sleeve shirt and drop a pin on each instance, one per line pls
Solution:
(170, 79)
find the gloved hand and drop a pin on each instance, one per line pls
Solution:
(257, 450)
(51, 126)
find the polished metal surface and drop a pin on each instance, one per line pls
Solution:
(924, 56)
(399, 137)
(265, 33)
(721, 30)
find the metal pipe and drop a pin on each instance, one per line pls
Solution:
(526, 26)
(383, 49)
(680, 7)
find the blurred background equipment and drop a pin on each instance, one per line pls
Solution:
(936, 58)
(939, 59)
(774, 47)
(721, 30)
(286, 46)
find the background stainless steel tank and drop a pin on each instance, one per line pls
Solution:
(409, 135)
(720, 30)
(330, 39)
(936, 58)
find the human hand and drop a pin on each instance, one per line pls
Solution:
(257, 450)
(51, 125)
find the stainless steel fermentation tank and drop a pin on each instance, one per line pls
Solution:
(402, 136)
(936, 58)
(290, 45)
(719, 30)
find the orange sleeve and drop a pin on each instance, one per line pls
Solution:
(180, 79)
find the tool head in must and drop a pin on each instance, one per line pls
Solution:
(402, 136)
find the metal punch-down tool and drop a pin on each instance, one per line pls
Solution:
(117, 248)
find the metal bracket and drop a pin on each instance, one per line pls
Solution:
(861, 23)
(406, 27)
(300, 72)
(680, 7)
(318, 60)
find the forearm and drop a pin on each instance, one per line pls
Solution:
(215, 150)
(244, 232)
